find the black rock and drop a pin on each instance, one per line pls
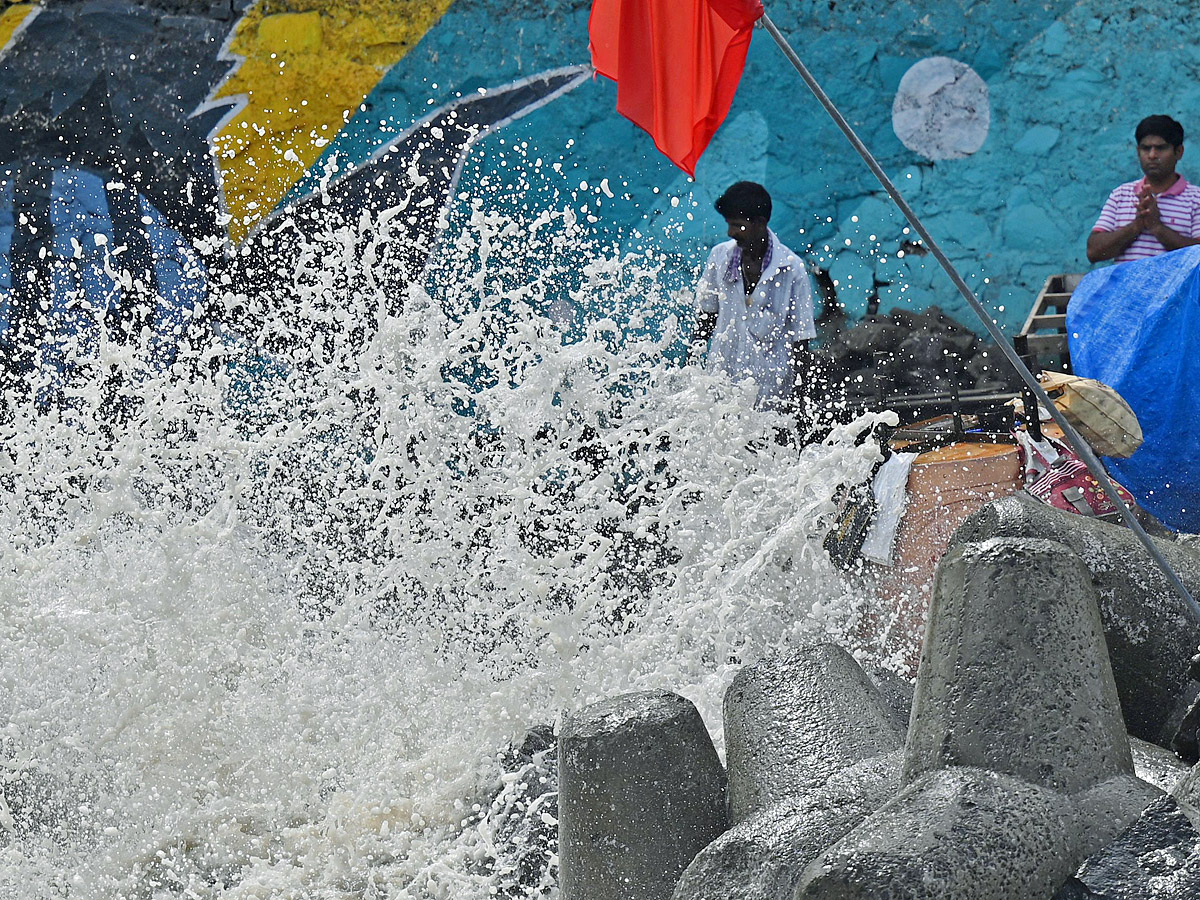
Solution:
(989, 369)
(905, 318)
(933, 319)
(1186, 741)
(874, 334)
(1156, 858)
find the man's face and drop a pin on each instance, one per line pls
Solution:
(1157, 157)
(748, 233)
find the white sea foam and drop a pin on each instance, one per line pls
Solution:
(272, 636)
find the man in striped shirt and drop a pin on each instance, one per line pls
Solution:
(1157, 213)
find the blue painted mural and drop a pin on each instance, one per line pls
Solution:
(185, 132)
(1063, 97)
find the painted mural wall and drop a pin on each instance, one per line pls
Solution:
(179, 130)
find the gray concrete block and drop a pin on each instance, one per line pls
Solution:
(1187, 792)
(1157, 765)
(1108, 808)
(1014, 675)
(641, 792)
(792, 722)
(764, 857)
(1150, 633)
(955, 834)
(1186, 735)
(896, 691)
(1155, 858)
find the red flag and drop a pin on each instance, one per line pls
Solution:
(677, 64)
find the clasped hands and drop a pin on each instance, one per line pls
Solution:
(1148, 217)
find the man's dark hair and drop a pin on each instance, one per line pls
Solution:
(1160, 126)
(745, 200)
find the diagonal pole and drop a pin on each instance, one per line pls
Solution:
(1077, 443)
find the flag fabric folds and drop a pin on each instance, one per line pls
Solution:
(677, 64)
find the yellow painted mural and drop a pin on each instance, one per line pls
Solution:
(306, 66)
(11, 17)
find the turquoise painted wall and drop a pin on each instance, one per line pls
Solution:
(1065, 93)
(1066, 83)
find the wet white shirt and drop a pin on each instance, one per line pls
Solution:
(754, 335)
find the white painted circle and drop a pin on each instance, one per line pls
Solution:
(941, 109)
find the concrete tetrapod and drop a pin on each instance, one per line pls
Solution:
(641, 792)
(1150, 634)
(764, 857)
(1157, 765)
(956, 834)
(790, 723)
(1015, 710)
(813, 749)
(1156, 858)
(1014, 673)
(1187, 791)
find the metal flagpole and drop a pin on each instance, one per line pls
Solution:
(1077, 443)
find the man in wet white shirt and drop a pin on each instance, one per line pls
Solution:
(755, 299)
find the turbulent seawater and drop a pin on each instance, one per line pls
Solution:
(275, 630)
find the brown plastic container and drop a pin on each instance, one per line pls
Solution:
(944, 487)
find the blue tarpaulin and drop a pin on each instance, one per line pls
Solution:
(1136, 327)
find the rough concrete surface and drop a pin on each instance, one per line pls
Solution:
(1157, 765)
(1187, 792)
(897, 693)
(764, 857)
(1016, 767)
(1108, 808)
(955, 834)
(641, 792)
(1151, 636)
(1156, 858)
(791, 723)
(1014, 676)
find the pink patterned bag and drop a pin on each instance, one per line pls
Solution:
(1068, 485)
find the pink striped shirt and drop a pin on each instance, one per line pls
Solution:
(1178, 206)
